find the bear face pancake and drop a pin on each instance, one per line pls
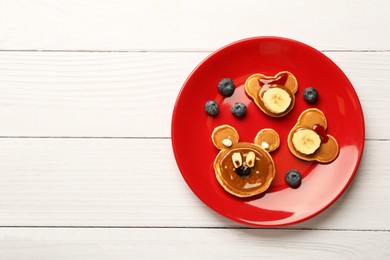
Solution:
(308, 139)
(274, 95)
(244, 169)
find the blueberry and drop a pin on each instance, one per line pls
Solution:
(243, 171)
(294, 178)
(211, 107)
(310, 95)
(239, 110)
(226, 87)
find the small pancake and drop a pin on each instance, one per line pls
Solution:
(268, 136)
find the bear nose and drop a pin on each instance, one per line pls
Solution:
(243, 171)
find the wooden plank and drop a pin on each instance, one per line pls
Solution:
(22, 243)
(107, 182)
(91, 94)
(133, 94)
(151, 25)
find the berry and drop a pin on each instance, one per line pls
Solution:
(243, 171)
(211, 107)
(294, 178)
(226, 87)
(310, 95)
(239, 110)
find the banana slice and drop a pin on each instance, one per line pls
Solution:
(306, 141)
(277, 100)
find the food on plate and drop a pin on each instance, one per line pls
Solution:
(293, 178)
(276, 100)
(226, 87)
(308, 139)
(239, 110)
(274, 95)
(310, 95)
(211, 107)
(244, 169)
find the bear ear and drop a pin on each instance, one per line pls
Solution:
(224, 137)
(268, 139)
(252, 86)
(328, 151)
(291, 82)
(312, 116)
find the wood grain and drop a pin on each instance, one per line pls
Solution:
(133, 94)
(106, 182)
(87, 90)
(192, 243)
(186, 25)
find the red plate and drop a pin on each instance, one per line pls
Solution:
(322, 183)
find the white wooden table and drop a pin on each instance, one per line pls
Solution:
(81, 116)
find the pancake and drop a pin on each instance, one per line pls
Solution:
(257, 85)
(244, 169)
(310, 119)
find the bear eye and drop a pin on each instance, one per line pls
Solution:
(250, 159)
(237, 160)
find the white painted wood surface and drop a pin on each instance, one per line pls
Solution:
(188, 25)
(152, 243)
(80, 116)
(113, 95)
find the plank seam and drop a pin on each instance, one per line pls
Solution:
(198, 227)
(126, 137)
(166, 51)
(88, 137)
